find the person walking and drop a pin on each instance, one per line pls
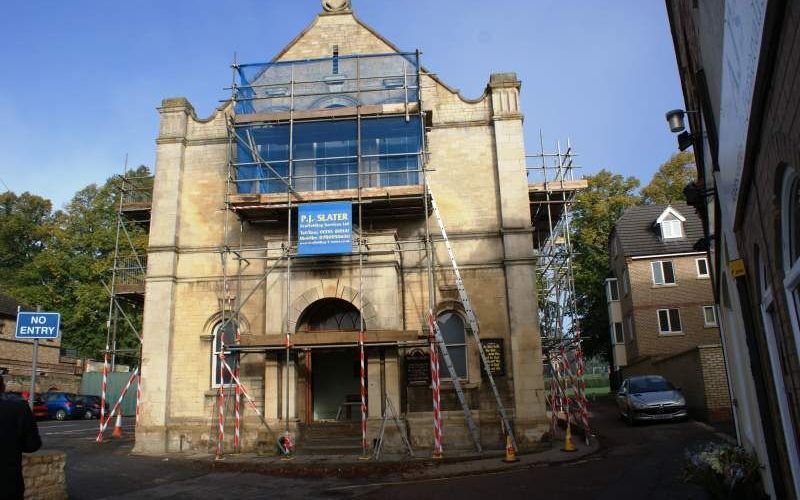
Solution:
(18, 434)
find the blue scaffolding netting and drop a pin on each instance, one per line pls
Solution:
(324, 154)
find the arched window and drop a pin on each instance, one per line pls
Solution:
(455, 339)
(222, 340)
(330, 314)
(790, 220)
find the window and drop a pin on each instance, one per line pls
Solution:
(702, 267)
(669, 321)
(709, 316)
(663, 272)
(629, 324)
(626, 284)
(612, 290)
(221, 341)
(454, 335)
(790, 222)
(619, 334)
(335, 60)
(671, 229)
(330, 314)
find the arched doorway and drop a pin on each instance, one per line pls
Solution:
(334, 373)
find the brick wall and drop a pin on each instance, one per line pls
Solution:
(689, 295)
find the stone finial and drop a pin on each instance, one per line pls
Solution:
(336, 5)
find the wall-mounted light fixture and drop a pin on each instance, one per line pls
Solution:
(677, 125)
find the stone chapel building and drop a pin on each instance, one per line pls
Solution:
(338, 115)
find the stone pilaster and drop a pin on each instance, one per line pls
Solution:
(159, 309)
(519, 259)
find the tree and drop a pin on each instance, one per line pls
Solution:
(72, 270)
(595, 212)
(670, 179)
(25, 222)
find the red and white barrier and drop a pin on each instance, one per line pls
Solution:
(435, 388)
(363, 394)
(103, 397)
(114, 410)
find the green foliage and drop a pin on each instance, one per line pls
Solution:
(668, 183)
(64, 260)
(595, 212)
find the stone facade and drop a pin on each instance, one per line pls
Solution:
(476, 157)
(44, 475)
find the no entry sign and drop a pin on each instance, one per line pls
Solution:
(37, 325)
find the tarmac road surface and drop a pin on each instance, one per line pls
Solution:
(636, 462)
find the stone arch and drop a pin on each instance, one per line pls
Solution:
(336, 290)
(334, 101)
(211, 322)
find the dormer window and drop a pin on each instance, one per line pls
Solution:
(670, 223)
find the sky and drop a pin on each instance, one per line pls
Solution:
(82, 79)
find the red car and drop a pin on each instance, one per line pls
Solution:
(39, 408)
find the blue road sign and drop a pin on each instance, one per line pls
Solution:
(37, 325)
(325, 228)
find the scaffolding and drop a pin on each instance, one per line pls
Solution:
(551, 175)
(126, 287)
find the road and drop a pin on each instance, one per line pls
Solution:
(636, 462)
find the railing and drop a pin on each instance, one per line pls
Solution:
(136, 190)
(130, 270)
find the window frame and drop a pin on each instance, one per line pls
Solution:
(697, 267)
(672, 224)
(713, 310)
(791, 269)
(609, 295)
(448, 345)
(215, 381)
(768, 312)
(618, 334)
(660, 264)
(669, 322)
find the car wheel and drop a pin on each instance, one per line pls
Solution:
(61, 415)
(87, 415)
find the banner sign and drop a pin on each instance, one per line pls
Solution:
(325, 228)
(37, 325)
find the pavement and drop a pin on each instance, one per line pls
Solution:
(626, 462)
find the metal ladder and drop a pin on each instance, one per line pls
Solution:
(473, 323)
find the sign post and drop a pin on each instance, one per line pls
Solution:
(36, 325)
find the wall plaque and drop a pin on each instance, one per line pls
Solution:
(418, 368)
(495, 356)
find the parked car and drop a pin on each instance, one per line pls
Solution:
(648, 398)
(63, 405)
(92, 404)
(40, 408)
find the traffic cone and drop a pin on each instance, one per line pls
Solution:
(568, 446)
(511, 455)
(117, 427)
(437, 454)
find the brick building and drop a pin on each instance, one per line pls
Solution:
(661, 305)
(339, 115)
(738, 63)
(55, 368)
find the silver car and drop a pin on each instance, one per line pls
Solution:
(650, 397)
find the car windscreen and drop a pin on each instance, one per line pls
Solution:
(650, 384)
